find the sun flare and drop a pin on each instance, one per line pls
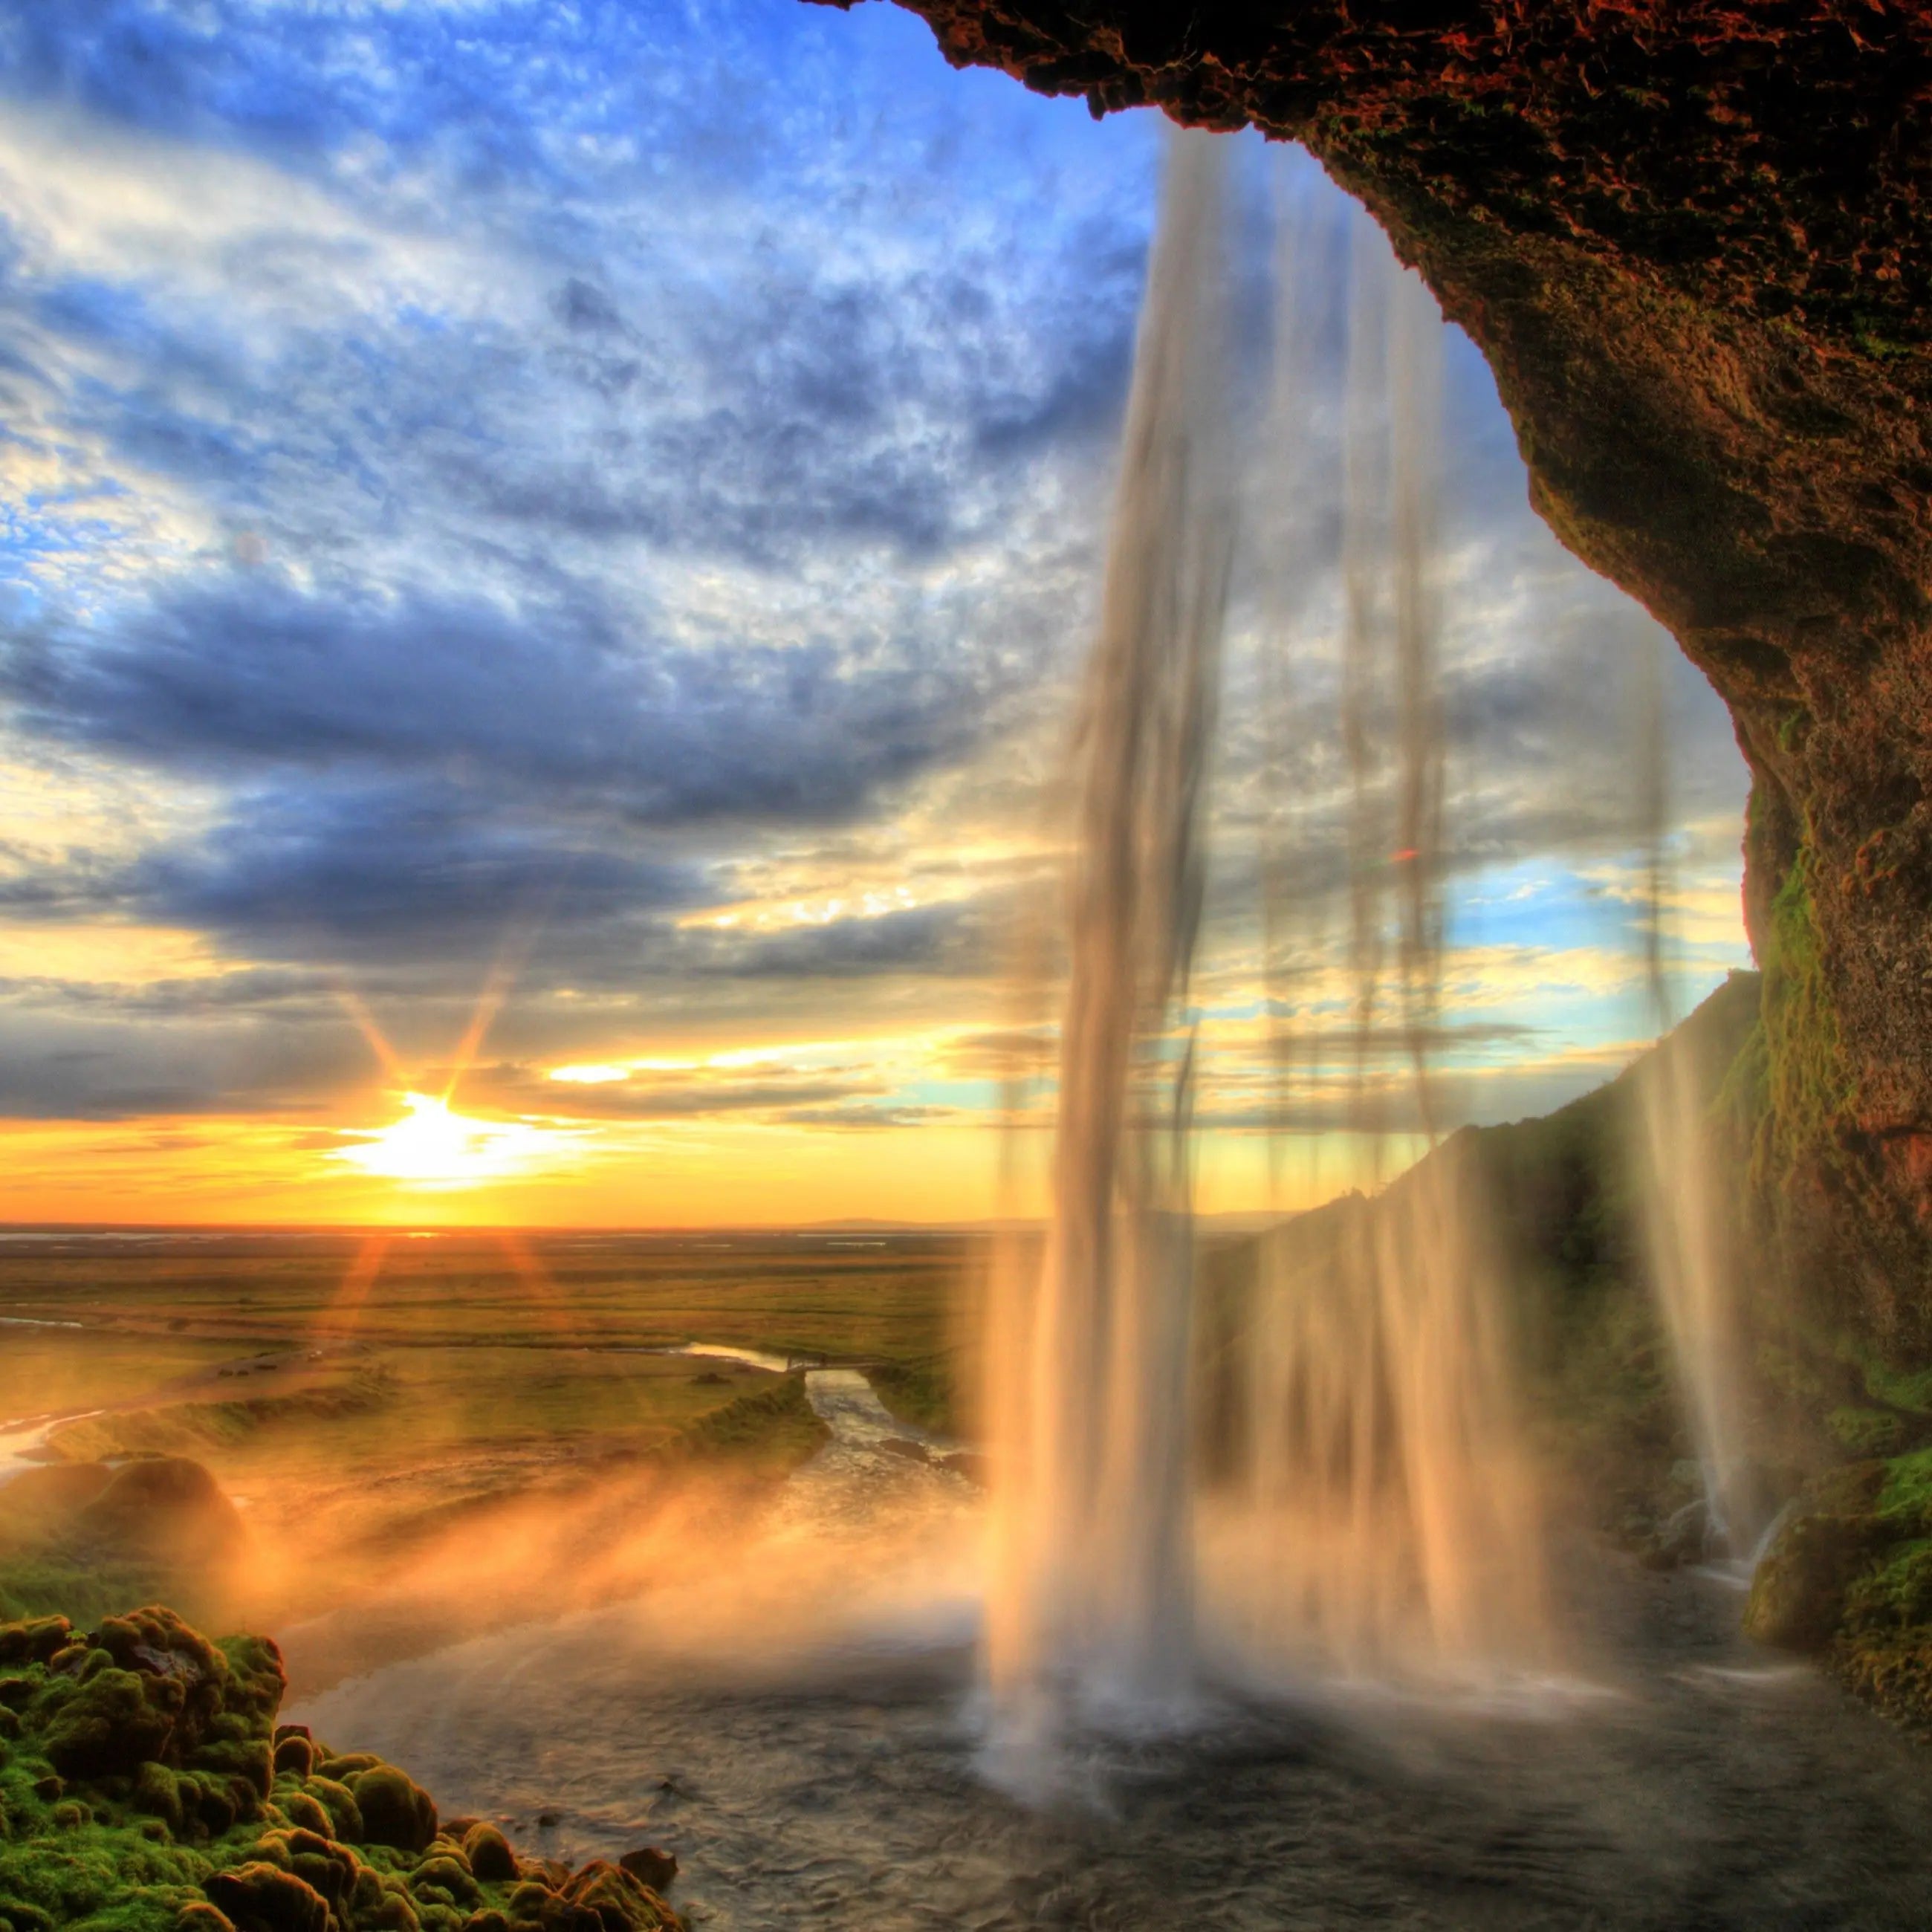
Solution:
(432, 1146)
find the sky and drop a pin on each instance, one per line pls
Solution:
(545, 551)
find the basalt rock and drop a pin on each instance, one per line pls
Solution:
(1690, 240)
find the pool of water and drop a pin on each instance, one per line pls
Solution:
(796, 1719)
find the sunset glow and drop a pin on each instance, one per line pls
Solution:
(431, 1146)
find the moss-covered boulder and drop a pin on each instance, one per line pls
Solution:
(1849, 1577)
(489, 1853)
(396, 1811)
(140, 1791)
(295, 1750)
(339, 1801)
(621, 1901)
(1799, 1594)
(262, 1897)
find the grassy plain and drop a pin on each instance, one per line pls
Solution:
(364, 1399)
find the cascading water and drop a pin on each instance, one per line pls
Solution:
(1383, 1471)
(1381, 1465)
(1091, 1610)
(1686, 1231)
(1382, 1482)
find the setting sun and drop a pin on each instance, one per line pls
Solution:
(432, 1147)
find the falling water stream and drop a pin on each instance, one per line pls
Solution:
(1090, 1607)
(1382, 1467)
(1382, 1481)
(1687, 1232)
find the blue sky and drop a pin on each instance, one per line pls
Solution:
(593, 509)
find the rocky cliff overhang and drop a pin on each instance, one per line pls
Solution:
(1691, 240)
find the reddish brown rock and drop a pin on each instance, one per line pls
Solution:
(622, 1902)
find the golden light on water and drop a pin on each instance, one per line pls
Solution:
(433, 1146)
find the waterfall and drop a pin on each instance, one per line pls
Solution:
(1384, 1475)
(1091, 1608)
(1381, 1464)
(1383, 1515)
(1686, 1231)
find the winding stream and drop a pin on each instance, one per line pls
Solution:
(798, 1726)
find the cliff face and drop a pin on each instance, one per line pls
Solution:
(1689, 237)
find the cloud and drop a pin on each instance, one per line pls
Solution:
(558, 704)
(619, 493)
(62, 1060)
(405, 872)
(766, 1091)
(938, 940)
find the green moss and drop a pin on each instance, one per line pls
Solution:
(924, 1392)
(1906, 1497)
(1808, 1090)
(1865, 1431)
(396, 1811)
(1895, 1595)
(1850, 1575)
(775, 1430)
(135, 1796)
(75, 1585)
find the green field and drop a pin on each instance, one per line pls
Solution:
(360, 1398)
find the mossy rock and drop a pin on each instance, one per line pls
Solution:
(490, 1855)
(1798, 1596)
(622, 1902)
(137, 1794)
(442, 1872)
(37, 1640)
(339, 1801)
(262, 1897)
(300, 1809)
(396, 1811)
